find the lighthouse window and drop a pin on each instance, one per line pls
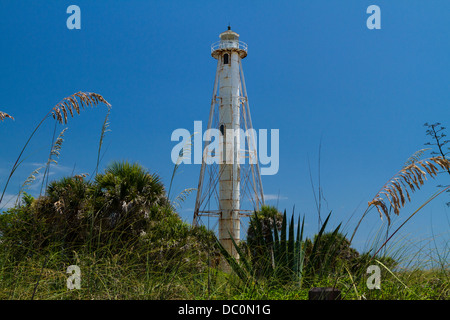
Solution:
(225, 58)
(222, 129)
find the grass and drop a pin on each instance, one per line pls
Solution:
(105, 278)
(131, 274)
(179, 262)
(135, 274)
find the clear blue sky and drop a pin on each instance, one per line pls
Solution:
(314, 71)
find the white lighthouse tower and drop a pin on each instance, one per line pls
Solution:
(231, 188)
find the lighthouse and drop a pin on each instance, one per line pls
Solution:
(231, 188)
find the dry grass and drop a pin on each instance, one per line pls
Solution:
(69, 105)
(412, 177)
(74, 103)
(4, 115)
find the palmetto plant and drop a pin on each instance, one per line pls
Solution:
(128, 192)
(68, 199)
(281, 256)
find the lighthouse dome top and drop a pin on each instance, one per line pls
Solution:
(229, 35)
(229, 41)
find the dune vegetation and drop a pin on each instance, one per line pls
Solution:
(123, 232)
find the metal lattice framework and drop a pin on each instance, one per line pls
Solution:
(251, 191)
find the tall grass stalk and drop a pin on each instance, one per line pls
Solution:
(67, 106)
(412, 215)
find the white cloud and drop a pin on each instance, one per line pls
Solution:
(9, 200)
(271, 197)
